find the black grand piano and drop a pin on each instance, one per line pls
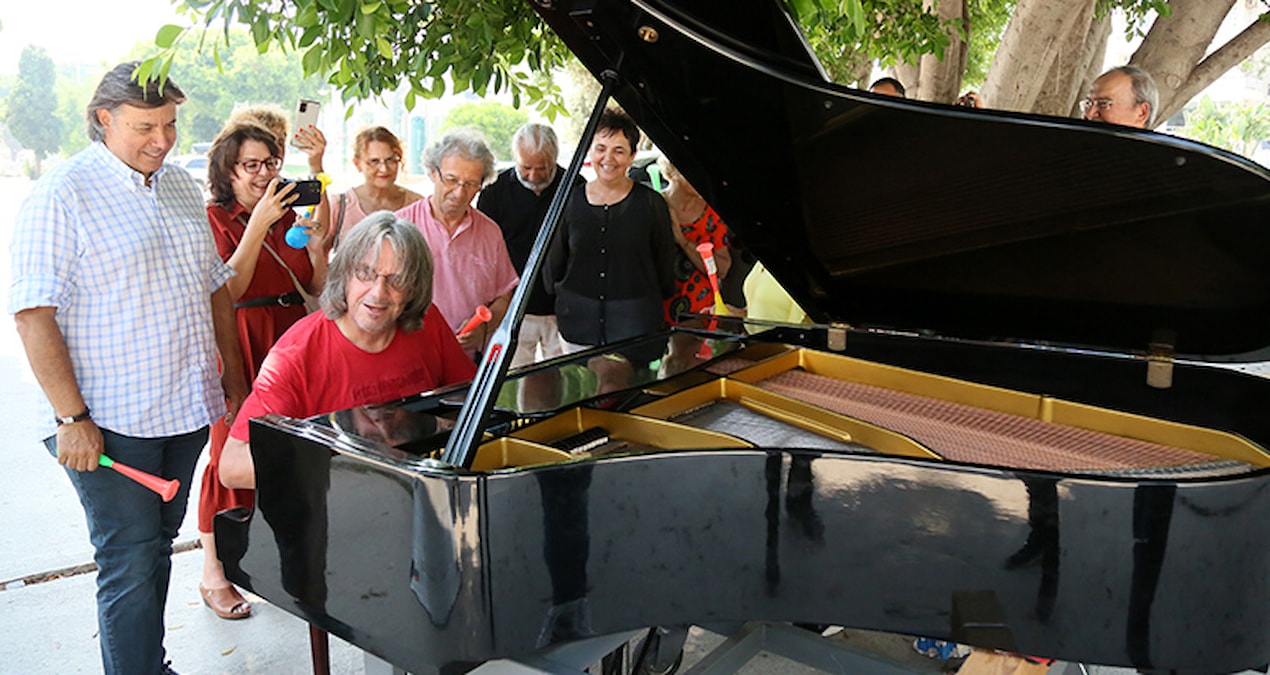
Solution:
(1009, 426)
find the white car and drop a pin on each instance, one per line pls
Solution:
(196, 165)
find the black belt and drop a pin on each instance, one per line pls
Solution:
(284, 300)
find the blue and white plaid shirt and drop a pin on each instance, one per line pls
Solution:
(130, 269)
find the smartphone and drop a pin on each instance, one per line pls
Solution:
(306, 114)
(307, 192)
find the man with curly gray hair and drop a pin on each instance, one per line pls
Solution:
(471, 265)
(377, 338)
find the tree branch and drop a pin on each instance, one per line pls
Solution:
(1214, 65)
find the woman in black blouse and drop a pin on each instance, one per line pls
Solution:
(612, 264)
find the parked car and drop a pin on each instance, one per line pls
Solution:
(196, 165)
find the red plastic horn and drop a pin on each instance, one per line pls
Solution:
(165, 488)
(481, 316)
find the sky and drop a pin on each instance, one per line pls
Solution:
(80, 32)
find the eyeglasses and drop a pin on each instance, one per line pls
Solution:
(255, 165)
(1099, 103)
(368, 275)
(451, 182)
(390, 162)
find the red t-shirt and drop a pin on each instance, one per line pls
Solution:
(314, 369)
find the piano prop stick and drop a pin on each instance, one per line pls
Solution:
(469, 430)
(296, 237)
(706, 249)
(481, 316)
(165, 488)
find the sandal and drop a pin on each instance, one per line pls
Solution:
(226, 602)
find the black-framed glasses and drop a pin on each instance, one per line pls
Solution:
(367, 275)
(255, 165)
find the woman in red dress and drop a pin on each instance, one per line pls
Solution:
(250, 218)
(694, 222)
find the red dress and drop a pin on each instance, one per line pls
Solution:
(258, 329)
(693, 292)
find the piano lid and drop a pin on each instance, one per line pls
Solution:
(975, 224)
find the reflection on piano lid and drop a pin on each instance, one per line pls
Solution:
(966, 446)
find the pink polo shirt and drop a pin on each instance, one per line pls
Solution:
(470, 267)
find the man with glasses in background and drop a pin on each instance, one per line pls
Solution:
(121, 303)
(518, 201)
(471, 264)
(1125, 95)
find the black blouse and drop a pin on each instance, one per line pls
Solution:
(611, 267)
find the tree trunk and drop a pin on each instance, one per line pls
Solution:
(940, 81)
(860, 69)
(1094, 55)
(909, 75)
(1041, 53)
(1173, 50)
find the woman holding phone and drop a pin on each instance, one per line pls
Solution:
(250, 216)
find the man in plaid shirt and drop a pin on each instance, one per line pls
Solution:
(119, 298)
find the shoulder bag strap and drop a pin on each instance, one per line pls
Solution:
(339, 221)
(294, 279)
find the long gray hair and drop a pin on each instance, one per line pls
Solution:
(414, 265)
(118, 87)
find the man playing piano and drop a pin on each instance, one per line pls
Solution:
(378, 338)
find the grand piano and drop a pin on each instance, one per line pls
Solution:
(1012, 424)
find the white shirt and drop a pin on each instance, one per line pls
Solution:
(130, 269)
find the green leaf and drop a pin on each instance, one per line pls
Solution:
(313, 60)
(804, 10)
(310, 35)
(307, 16)
(385, 47)
(854, 10)
(167, 35)
(142, 72)
(366, 26)
(260, 32)
(371, 8)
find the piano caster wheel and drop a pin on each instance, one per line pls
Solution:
(651, 669)
(653, 654)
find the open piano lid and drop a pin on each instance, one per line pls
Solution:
(973, 224)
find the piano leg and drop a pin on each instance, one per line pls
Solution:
(320, 650)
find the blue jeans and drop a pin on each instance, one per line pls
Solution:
(131, 530)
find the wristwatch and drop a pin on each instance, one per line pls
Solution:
(75, 418)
